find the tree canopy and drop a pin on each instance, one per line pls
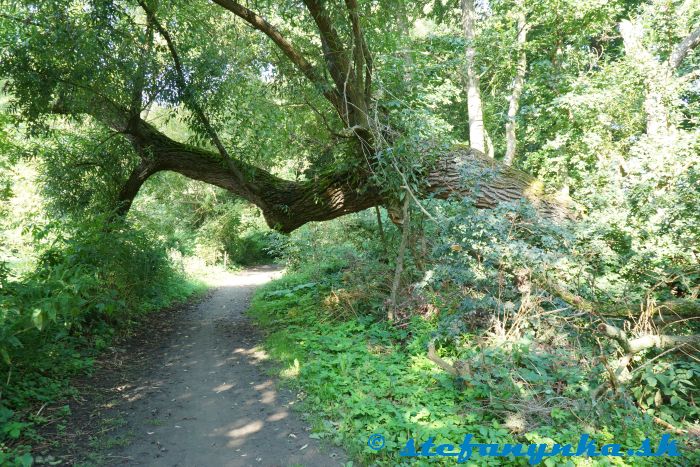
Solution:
(329, 72)
(533, 169)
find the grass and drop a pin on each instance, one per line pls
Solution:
(38, 382)
(360, 376)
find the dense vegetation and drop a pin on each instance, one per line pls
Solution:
(511, 190)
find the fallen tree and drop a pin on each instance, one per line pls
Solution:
(341, 71)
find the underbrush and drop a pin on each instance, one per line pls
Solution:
(90, 285)
(533, 367)
(204, 221)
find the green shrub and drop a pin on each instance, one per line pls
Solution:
(359, 375)
(92, 279)
(253, 248)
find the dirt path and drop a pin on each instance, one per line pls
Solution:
(204, 399)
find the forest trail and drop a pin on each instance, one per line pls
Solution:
(206, 400)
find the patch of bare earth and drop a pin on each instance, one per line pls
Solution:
(191, 388)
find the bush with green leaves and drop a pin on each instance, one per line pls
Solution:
(535, 362)
(93, 278)
(358, 374)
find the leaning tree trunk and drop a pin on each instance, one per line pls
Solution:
(474, 107)
(288, 205)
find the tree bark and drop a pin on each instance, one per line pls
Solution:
(288, 205)
(460, 172)
(518, 83)
(474, 107)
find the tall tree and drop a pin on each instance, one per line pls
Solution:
(518, 82)
(476, 113)
(658, 75)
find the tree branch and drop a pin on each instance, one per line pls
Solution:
(261, 24)
(460, 369)
(358, 50)
(347, 78)
(296, 57)
(184, 91)
(679, 53)
(334, 51)
(636, 345)
(140, 79)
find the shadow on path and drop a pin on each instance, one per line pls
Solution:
(202, 397)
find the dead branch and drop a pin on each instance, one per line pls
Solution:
(459, 369)
(636, 345)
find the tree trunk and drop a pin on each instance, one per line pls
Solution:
(474, 108)
(288, 205)
(655, 75)
(518, 83)
(462, 172)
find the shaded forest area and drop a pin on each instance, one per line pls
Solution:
(488, 210)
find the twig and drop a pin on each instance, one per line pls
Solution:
(41, 409)
(460, 368)
(410, 192)
(667, 425)
(399, 260)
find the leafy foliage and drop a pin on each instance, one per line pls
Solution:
(358, 375)
(501, 290)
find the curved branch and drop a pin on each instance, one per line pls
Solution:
(286, 205)
(261, 24)
(296, 57)
(679, 53)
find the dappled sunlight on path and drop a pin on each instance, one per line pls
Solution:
(206, 399)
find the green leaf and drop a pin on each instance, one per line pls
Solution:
(5, 355)
(38, 318)
(26, 460)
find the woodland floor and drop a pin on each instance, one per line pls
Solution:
(191, 388)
